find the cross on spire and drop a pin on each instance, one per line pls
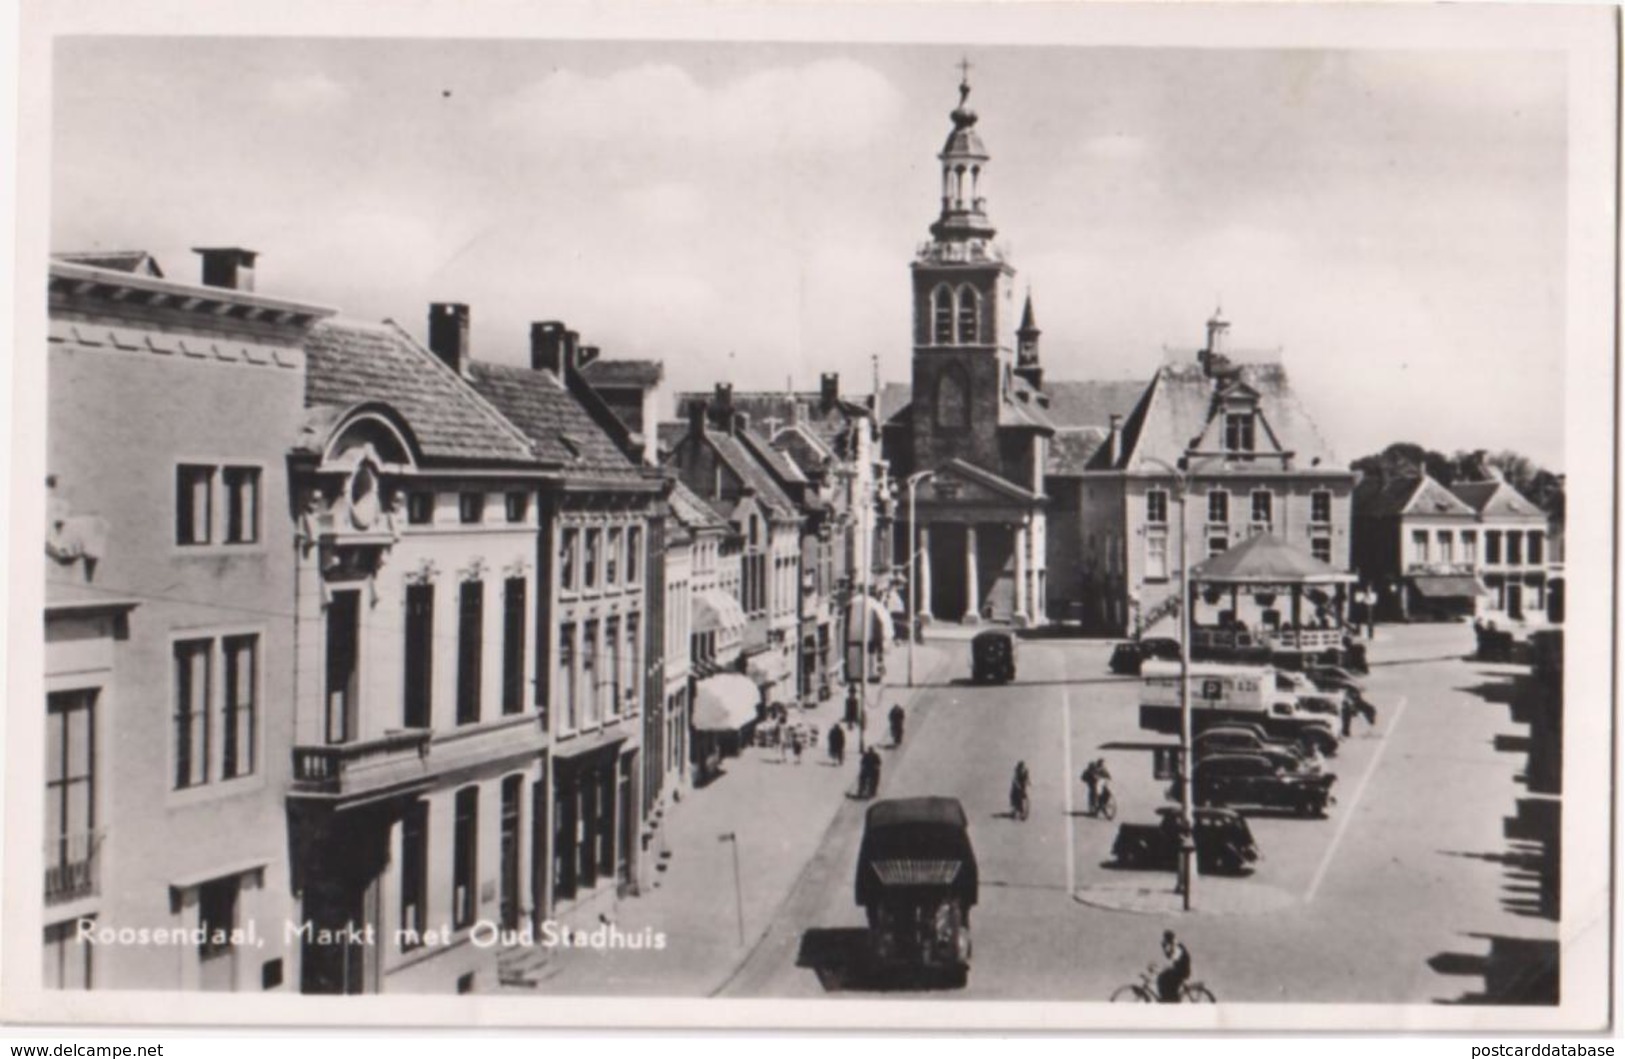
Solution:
(964, 65)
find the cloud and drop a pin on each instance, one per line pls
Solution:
(306, 92)
(834, 104)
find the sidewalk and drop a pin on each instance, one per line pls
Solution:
(779, 813)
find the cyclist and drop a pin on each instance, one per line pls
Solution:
(1175, 971)
(1018, 790)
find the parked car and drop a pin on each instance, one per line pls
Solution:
(1128, 656)
(1311, 697)
(1226, 694)
(917, 882)
(1226, 739)
(1224, 842)
(993, 657)
(1330, 678)
(1253, 779)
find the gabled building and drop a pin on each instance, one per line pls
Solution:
(602, 524)
(1515, 559)
(421, 782)
(1417, 546)
(168, 649)
(721, 467)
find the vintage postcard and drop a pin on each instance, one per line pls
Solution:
(939, 515)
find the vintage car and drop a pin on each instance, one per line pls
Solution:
(1255, 780)
(1128, 656)
(917, 882)
(993, 657)
(1312, 698)
(1336, 678)
(1228, 694)
(1224, 842)
(1248, 739)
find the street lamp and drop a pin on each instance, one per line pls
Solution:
(1187, 767)
(913, 557)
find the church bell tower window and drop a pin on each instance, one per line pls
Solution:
(968, 314)
(942, 315)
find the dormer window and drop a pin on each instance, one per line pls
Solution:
(1238, 432)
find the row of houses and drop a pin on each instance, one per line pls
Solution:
(362, 644)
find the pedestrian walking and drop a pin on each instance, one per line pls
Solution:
(795, 744)
(837, 744)
(781, 737)
(869, 774)
(1348, 712)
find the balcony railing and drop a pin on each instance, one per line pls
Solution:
(73, 866)
(340, 768)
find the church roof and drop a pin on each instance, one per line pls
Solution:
(1071, 449)
(1091, 403)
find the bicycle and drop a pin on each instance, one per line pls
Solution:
(1145, 992)
(1106, 804)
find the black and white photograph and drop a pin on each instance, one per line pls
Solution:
(937, 516)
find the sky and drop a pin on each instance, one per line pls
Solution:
(1392, 221)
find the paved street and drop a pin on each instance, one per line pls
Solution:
(1415, 889)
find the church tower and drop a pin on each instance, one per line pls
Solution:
(1027, 363)
(962, 359)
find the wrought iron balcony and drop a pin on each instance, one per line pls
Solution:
(73, 866)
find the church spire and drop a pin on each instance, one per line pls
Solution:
(963, 158)
(1027, 365)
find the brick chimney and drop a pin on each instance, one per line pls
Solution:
(1114, 440)
(448, 334)
(549, 347)
(697, 412)
(723, 406)
(230, 267)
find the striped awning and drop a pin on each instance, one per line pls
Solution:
(715, 609)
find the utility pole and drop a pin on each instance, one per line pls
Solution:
(732, 838)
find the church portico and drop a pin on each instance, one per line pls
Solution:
(976, 565)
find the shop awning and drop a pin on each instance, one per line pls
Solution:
(715, 609)
(769, 667)
(725, 703)
(1448, 586)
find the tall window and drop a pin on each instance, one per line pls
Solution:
(192, 665)
(1492, 546)
(589, 670)
(513, 645)
(471, 508)
(1419, 546)
(942, 315)
(1514, 548)
(1469, 546)
(612, 557)
(1238, 432)
(634, 665)
(465, 858)
(567, 675)
(1320, 506)
(953, 398)
(414, 874)
(1537, 547)
(508, 852)
(68, 961)
(518, 506)
(343, 665)
(70, 794)
(612, 665)
(470, 639)
(239, 711)
(968, 313)
(419, 651)
(1218, 506)
(634, 555)
(1156, 557)
(217, 902)
(589, 560)
(242, 487)
(1321, 548)
(1447, 546)
(194, 512)
(1156, 506)
(567, 559)
(1263, 506)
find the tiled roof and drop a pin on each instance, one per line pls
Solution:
(1023, 406)
(1071, 449)
(1496, 498)
(733, 453)
(117, 260)
(1179, 405)
(642, 373)
(560, 430)
(1405, 495)
(777, 462)
(1091, 403)
(770, 411)
(692, 510)
(348, 362)
(803, 446)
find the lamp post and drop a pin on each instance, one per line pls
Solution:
(1187, 766)
(913, 557)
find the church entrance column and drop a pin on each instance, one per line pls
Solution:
(922, 564)
(973, 584)
(1022, 616)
